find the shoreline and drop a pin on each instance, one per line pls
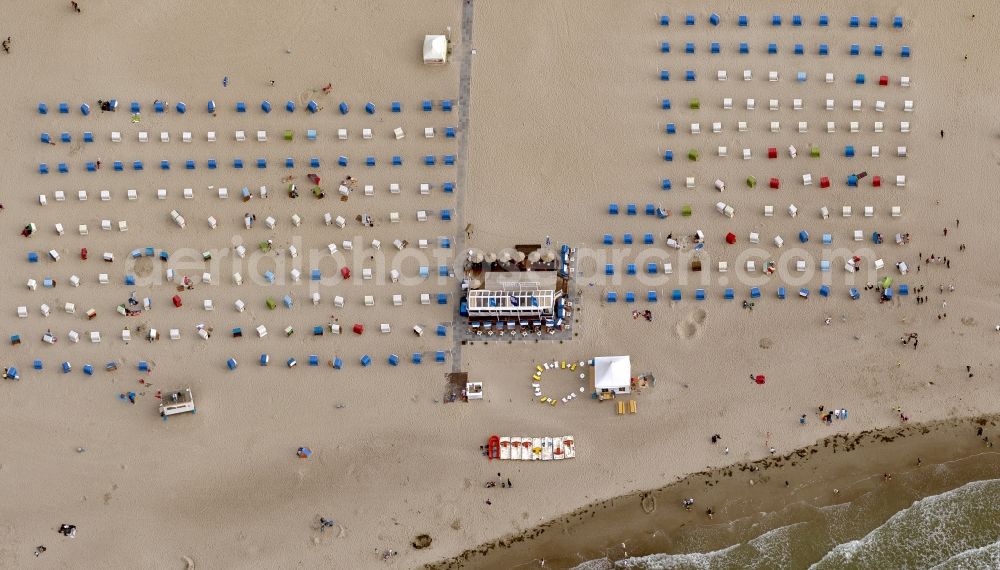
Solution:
(810, 476)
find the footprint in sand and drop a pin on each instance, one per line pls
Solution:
(143, 266)
(690, 327)
(766, 343)
(698, 317)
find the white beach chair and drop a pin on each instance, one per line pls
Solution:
(133, 194)
(721, 75)
(296, 220)
(723, 267)
(60, 196)
(261, 331)
(384, 327)
(161, 194)
(223, 193)
(398, 132)
(241, 136)
(824, 212)
(829, 78)
(904, 81)
(829, 104)
(716, 127)
(126, 335)
(106, 225)
(369, 190)
(366, 273)
(879, 127)
(164, 136)
(747, 75)
(908, 106)
(123, 225)
(896, 211)
(143, 136)
(742, 126)
(900, 180)
(831, 127)
(425, 298)
(116, 137)
(807, 179)
(394, 188)
(340, 222)
(904, 126)
(241, 251)
(342, 134)
(425, 189)
(82, 195)
(315, 297)
(397, 300)
(296, 275)
(348, 245)
(74, 281)
(695, 128)
(800, 265)
(60, 230)
(83, 230)
(421, 215)
(689, 182)
(846, 211)
(796, 104)
(338, 301)
(239, 305)
(778, 242)
(189, 193)
(209, 306)
(875, 151)
(366, 134)
(855, 127)
(22, 312)
(775, 126)
(754, 237)
(723, 152)
(901, 151)
(772, 76)
(186, 136)
(237, 279)
(327, 219)
(746, 154)
(727, 103)
(211, 136)
(793, 211)
(270, 222)
(869, 211)
(42, 200)
(879, 264)
(394, 217)
(261, 136)
(428, 132)
(768, 211)
(369, 301)
(95, 337)
(880, 106)
(175, 334)
(856, 105)
(859, 235)
(751, 104)
(803, 127)
(772, 104)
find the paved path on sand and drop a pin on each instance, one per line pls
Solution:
(464, 89)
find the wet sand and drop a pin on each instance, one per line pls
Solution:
(835, 470)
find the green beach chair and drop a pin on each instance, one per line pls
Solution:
(695, 103)
(693, 155)
(271, 304)
(752, 181)
(686, 210)
(814, 152)
(289, 135)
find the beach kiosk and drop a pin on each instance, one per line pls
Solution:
(474, 391)
(612, 375)
(435, 50)
(177, 402)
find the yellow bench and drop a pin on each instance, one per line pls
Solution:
(621, 408)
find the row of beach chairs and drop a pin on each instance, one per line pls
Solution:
(238, 163)
(427, 105)
(773, 77)
(846, 211)
(132, 194)
(729, 294)
(849, 152)
(241, 135)
(823, 49)
(797, 104)
(776, 20)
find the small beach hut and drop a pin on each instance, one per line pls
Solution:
(435, 49)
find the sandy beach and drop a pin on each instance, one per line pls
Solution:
(565, 118)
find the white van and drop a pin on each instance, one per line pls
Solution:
(177, 402)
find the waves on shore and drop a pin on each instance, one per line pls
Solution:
(954, 530)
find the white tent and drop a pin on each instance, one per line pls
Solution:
(435, 50)
(612, 374)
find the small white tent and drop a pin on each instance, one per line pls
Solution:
(435, 50)
(612, 374)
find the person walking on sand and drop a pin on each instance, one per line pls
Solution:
(6, 45)
(76, 7)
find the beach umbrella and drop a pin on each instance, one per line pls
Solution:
(534, 257)
(730, 238)
(759, 379)
(549, 256)
(491, 257)
(477, 257)
(519, 256)
(505, 257)
(476, 283)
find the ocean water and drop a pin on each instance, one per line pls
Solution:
(957, 529)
